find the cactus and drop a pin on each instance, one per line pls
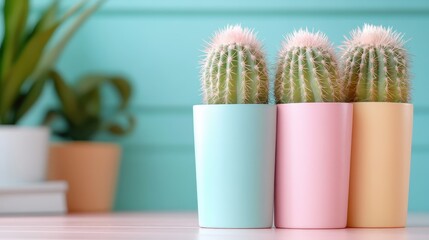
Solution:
(307, 70)
(376, 66)
(234, 69)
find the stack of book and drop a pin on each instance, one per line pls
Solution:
(34, 198)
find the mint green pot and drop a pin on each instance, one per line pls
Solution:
(235, 158)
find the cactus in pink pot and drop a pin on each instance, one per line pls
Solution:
(311, 187)
(307, 70)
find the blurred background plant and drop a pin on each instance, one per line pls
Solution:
(82, 105)
(25, 59)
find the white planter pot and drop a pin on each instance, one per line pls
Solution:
(23, 154)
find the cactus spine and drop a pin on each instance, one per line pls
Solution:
(234, 69)
(307, 70)
(376, 66)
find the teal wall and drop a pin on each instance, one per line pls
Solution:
(157, 45)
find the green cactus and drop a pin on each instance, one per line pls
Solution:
(234, 70)
(307, 70)
(376, 66)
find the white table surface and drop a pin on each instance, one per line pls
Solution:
(177, 226)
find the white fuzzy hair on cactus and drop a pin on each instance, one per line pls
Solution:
(306, 38)
(234, 68)
(235, 34)
(375, 36)
(307, 69)
(375, 65)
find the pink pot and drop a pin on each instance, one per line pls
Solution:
(312, 165)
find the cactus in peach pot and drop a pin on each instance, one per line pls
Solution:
(376, 66)
(235, 134)
(311, 115)
(376, 77)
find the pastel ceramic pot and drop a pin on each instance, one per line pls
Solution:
(380, 164)
(23, 154)
(312, 165)
(235, 156)
(90, 170)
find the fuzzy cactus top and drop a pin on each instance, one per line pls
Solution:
(307, 70)
(234, 68)
(375, 66)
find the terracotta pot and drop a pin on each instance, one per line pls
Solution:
(312, 165)
(90, 170)
(380, 164)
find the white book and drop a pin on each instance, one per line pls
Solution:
(34, 198)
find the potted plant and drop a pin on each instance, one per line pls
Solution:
(235, 134)
(90, 168)
(314, 130)
(376, 74)
(24, 62)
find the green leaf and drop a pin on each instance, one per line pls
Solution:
(23, 68)
(124, 90)
(73, 10)
(15, 18)
(89, 82)
(29, 98)
(49, 59)
(119, 130)
(120, 84)
(27, 62)
(84, 131)
(68, 99)
(50, 116)
(92, 102)
(48, 18)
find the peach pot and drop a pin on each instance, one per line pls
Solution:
(90, 170)
(380, 164)
(312, 165)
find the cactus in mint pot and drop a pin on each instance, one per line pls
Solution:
(376, 77)
(234, 68)
(376, 66)
(235, 134)
(311, 115)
